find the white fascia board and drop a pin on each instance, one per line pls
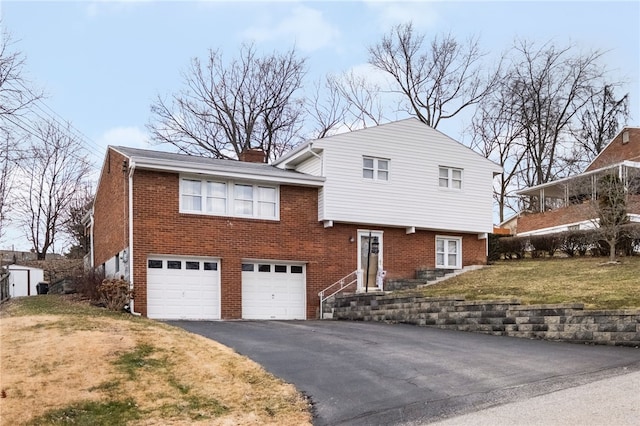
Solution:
(171, 166)
(291, 161)
(292, 154)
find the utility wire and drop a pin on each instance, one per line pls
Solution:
(52, 115)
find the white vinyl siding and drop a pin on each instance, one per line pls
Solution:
(229, 198)
(312, 166)
(412, 197)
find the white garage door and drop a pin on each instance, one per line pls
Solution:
(273, 291)
(183, 288)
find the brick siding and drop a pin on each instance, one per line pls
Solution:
(616, 151)
(561, 216)
(111, 209)
(160, 229)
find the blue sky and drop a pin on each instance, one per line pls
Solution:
(102, 63)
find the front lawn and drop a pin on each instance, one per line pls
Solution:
(587, 280)
(64, 362)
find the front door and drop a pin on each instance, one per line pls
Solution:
(369, 260)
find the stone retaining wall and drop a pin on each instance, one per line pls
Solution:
(566, 322)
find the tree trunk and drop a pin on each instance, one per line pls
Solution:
(612, 250)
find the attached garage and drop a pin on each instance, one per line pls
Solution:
(273, 290)
(183, 288)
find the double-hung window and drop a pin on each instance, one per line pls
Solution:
(448, 252)
(375, 168)
(449, 177)
(217, 197)
(191, 195)
(229, 198)
(243, 200)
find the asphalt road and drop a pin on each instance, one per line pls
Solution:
(363, 373)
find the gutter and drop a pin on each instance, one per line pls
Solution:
(132, 167)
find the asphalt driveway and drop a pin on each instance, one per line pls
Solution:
(362, 373)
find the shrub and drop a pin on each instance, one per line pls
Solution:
(115, 293)
(494, 248)
(87, 284)
(513, 247)
(575, 242)
(546, 243)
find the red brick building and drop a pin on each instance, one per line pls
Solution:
(566, 204)
(202, 238)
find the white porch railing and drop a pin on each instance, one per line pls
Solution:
(338, 286)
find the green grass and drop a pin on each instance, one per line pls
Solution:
(140, 357)
(49, 304)
(553, 280)
(91, 413)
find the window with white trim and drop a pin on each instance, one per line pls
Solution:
(448, 252)
(449, 177)
(229, 198)
(375, 168)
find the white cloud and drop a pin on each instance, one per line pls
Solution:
(421, 13)
(306, 27)
(98, 7)
(124, 136)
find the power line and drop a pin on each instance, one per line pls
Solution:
(52, 115)
(28, 127)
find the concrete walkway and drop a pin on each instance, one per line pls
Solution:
(611, 401)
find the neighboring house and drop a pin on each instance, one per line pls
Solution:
(204, 238)
(24, 280)
(565, 204)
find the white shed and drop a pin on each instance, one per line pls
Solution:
(23, 280)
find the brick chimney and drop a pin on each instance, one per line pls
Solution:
(253, 155)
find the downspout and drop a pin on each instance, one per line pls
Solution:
(91, 224)
(132, 168)
(317, 156)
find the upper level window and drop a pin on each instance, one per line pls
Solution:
(450, 178)
(228, 198)
(375, 168)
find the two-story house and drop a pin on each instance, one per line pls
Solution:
(566, 204)
(203, 238)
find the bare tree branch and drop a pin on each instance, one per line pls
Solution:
(436, 81)
(227, 108)
(50, 178)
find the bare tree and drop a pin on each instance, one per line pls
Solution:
(51, 176)
(15, 98)
(226, 108)
(498, 136)
(325, 108)
(7, 168)
(362, 100)
(600, 120)
(549, 87)
(72, 224)
(615, 195)
(436, 80)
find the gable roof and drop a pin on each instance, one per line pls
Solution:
(617, 150)
(306, 149)
(182, 163)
